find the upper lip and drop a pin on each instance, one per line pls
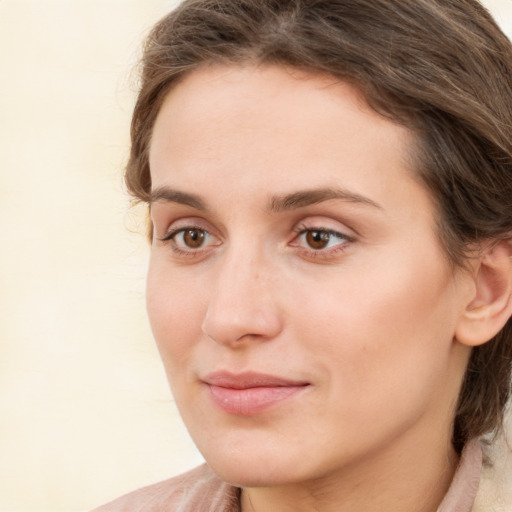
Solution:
(248, 380)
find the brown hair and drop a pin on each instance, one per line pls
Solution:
(443, 68)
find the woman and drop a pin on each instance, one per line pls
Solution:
(329, 186)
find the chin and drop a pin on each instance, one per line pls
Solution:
(246, 464)
(249, 473)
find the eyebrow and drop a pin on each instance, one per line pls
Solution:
(277, 204)
(169, 195)
(308, 197)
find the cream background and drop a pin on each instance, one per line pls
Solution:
(85, 413)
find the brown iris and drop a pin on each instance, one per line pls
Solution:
(194, 238)
(318, 239)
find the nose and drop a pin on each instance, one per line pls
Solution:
(242, 305)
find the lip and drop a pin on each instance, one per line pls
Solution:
(250, 393)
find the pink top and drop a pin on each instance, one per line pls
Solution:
(200, 490)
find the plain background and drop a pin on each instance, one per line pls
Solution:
(85, 413)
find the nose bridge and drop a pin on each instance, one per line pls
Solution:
(242, 302)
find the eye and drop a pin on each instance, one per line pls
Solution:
(190, 240)
(318, 239)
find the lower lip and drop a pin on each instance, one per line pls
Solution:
(250, 401)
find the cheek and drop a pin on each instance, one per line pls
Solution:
(385, 345)
(175, 308)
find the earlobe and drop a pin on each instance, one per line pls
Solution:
(491, 306)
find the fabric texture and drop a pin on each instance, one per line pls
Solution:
(200, 490)
(495, 491)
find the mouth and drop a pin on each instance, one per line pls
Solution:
(249, 393)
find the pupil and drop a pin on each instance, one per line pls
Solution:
(317, 239)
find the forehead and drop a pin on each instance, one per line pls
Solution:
(269, 90)
(255, 127)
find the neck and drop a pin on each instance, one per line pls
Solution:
(383, 482)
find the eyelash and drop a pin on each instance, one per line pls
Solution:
(170, 237)
(300, 230)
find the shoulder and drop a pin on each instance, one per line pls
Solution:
(198, 490)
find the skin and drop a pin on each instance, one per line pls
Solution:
(368, 321)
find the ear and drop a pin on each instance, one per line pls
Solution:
(490, 307)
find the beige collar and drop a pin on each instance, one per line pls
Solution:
(464, 487)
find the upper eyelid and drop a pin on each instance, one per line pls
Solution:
(165, 214)
(333, 232)
(185, 222)
(321, 224)
(173, 232)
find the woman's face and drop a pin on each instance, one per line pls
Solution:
(303, 307)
